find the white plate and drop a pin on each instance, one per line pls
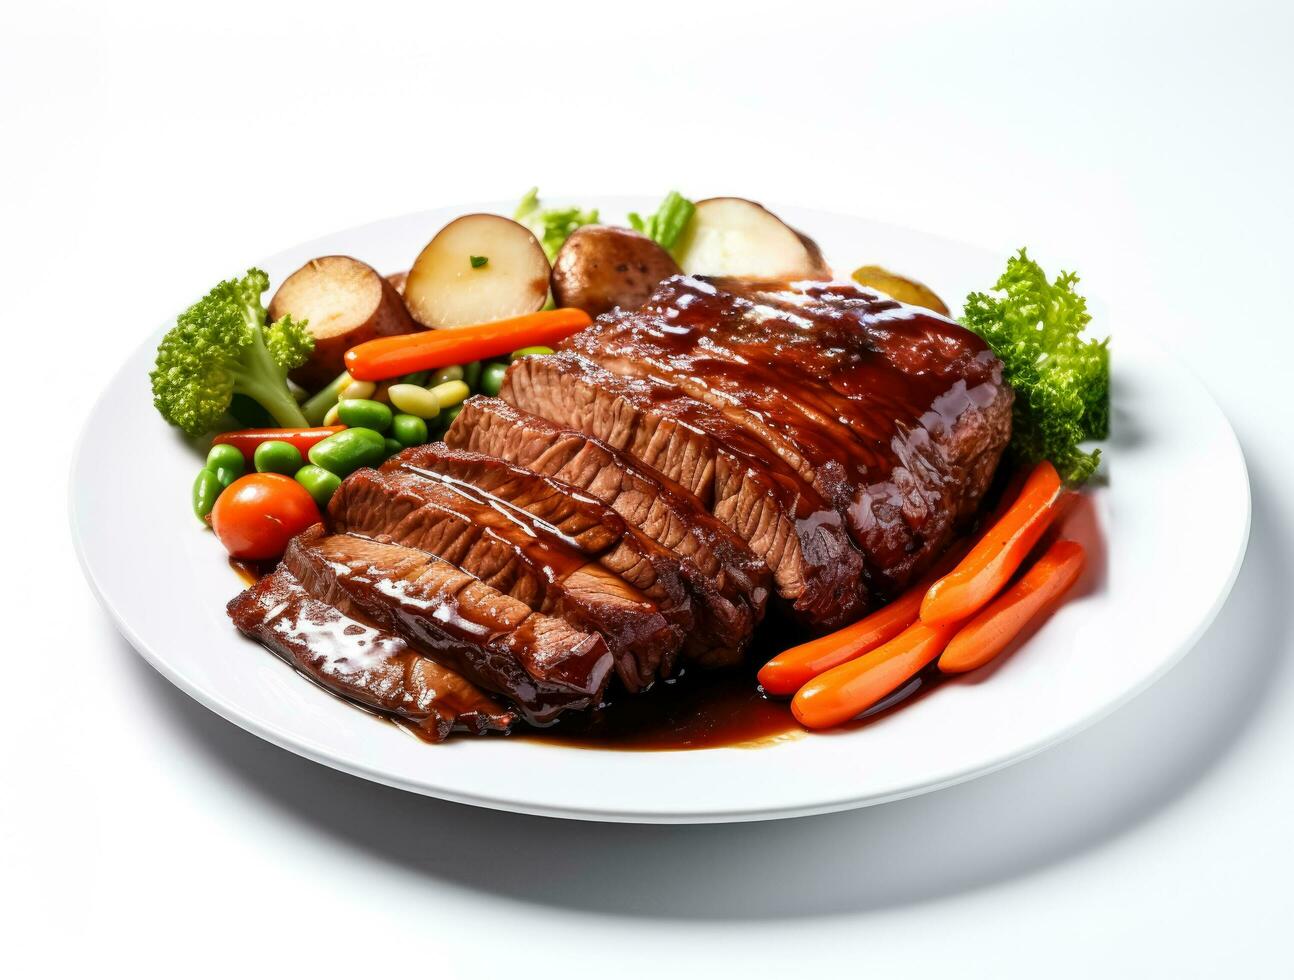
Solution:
(1168, 530)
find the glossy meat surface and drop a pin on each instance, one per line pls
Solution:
(542, 664)
(518, 556)
(895, 416)
(362, 662)
(685, 595)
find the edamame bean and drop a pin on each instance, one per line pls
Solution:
(364, 413)
(393, 446)
(276, 456)
(206, 488)
(330, 417)
(226, 456)
(450, 393)
(414, 400)
(227, 475)
(472, 374)
(409, 429)
(346, 451)
(319, 483)
(452, 373)
(492, 379)
(529, 352)
(359, 389)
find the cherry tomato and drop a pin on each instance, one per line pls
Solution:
(259, 513)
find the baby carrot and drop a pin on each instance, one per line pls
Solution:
(390, 357)
(791, 669)
(850, 689)
(997, 555)
(989, 633)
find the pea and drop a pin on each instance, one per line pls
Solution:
(206, 488)
(472, 374)
(452, 373)
(529, 352)
(276, 456)
(393, 446)
(319, 483)
(409, 429)
(363, 413)
(492, 379)
(418, 378)
(224, 456)
(346, 451)
(448, 417)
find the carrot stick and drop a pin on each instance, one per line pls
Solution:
(850, 689)
(989, 633)
(791, 669)
(390, 357)
(991, 563)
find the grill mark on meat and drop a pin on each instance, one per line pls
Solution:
(362, 662)
(517, 556)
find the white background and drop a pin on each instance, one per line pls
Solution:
(147, 150)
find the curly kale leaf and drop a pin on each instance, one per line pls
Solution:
(1061, 380)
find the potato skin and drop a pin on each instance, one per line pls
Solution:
(600, 267)
(385, 317)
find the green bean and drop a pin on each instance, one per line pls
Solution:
(346, 451)
(529, 352)
(492, 379)
(319, 483)
(223, 456)
(409, 429)
(472, 375)
(364, 413)
(206, 488)
(276, 456)
(393, 446)
(316, 406)
(452, 373)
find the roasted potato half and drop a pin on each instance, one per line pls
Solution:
(903, 289)
(730, 236)
(600, 267)
(478, 268)
(345, 302)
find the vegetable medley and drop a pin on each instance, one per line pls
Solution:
(404, 354)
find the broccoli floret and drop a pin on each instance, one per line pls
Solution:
(221, 346)
(1061, 379)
